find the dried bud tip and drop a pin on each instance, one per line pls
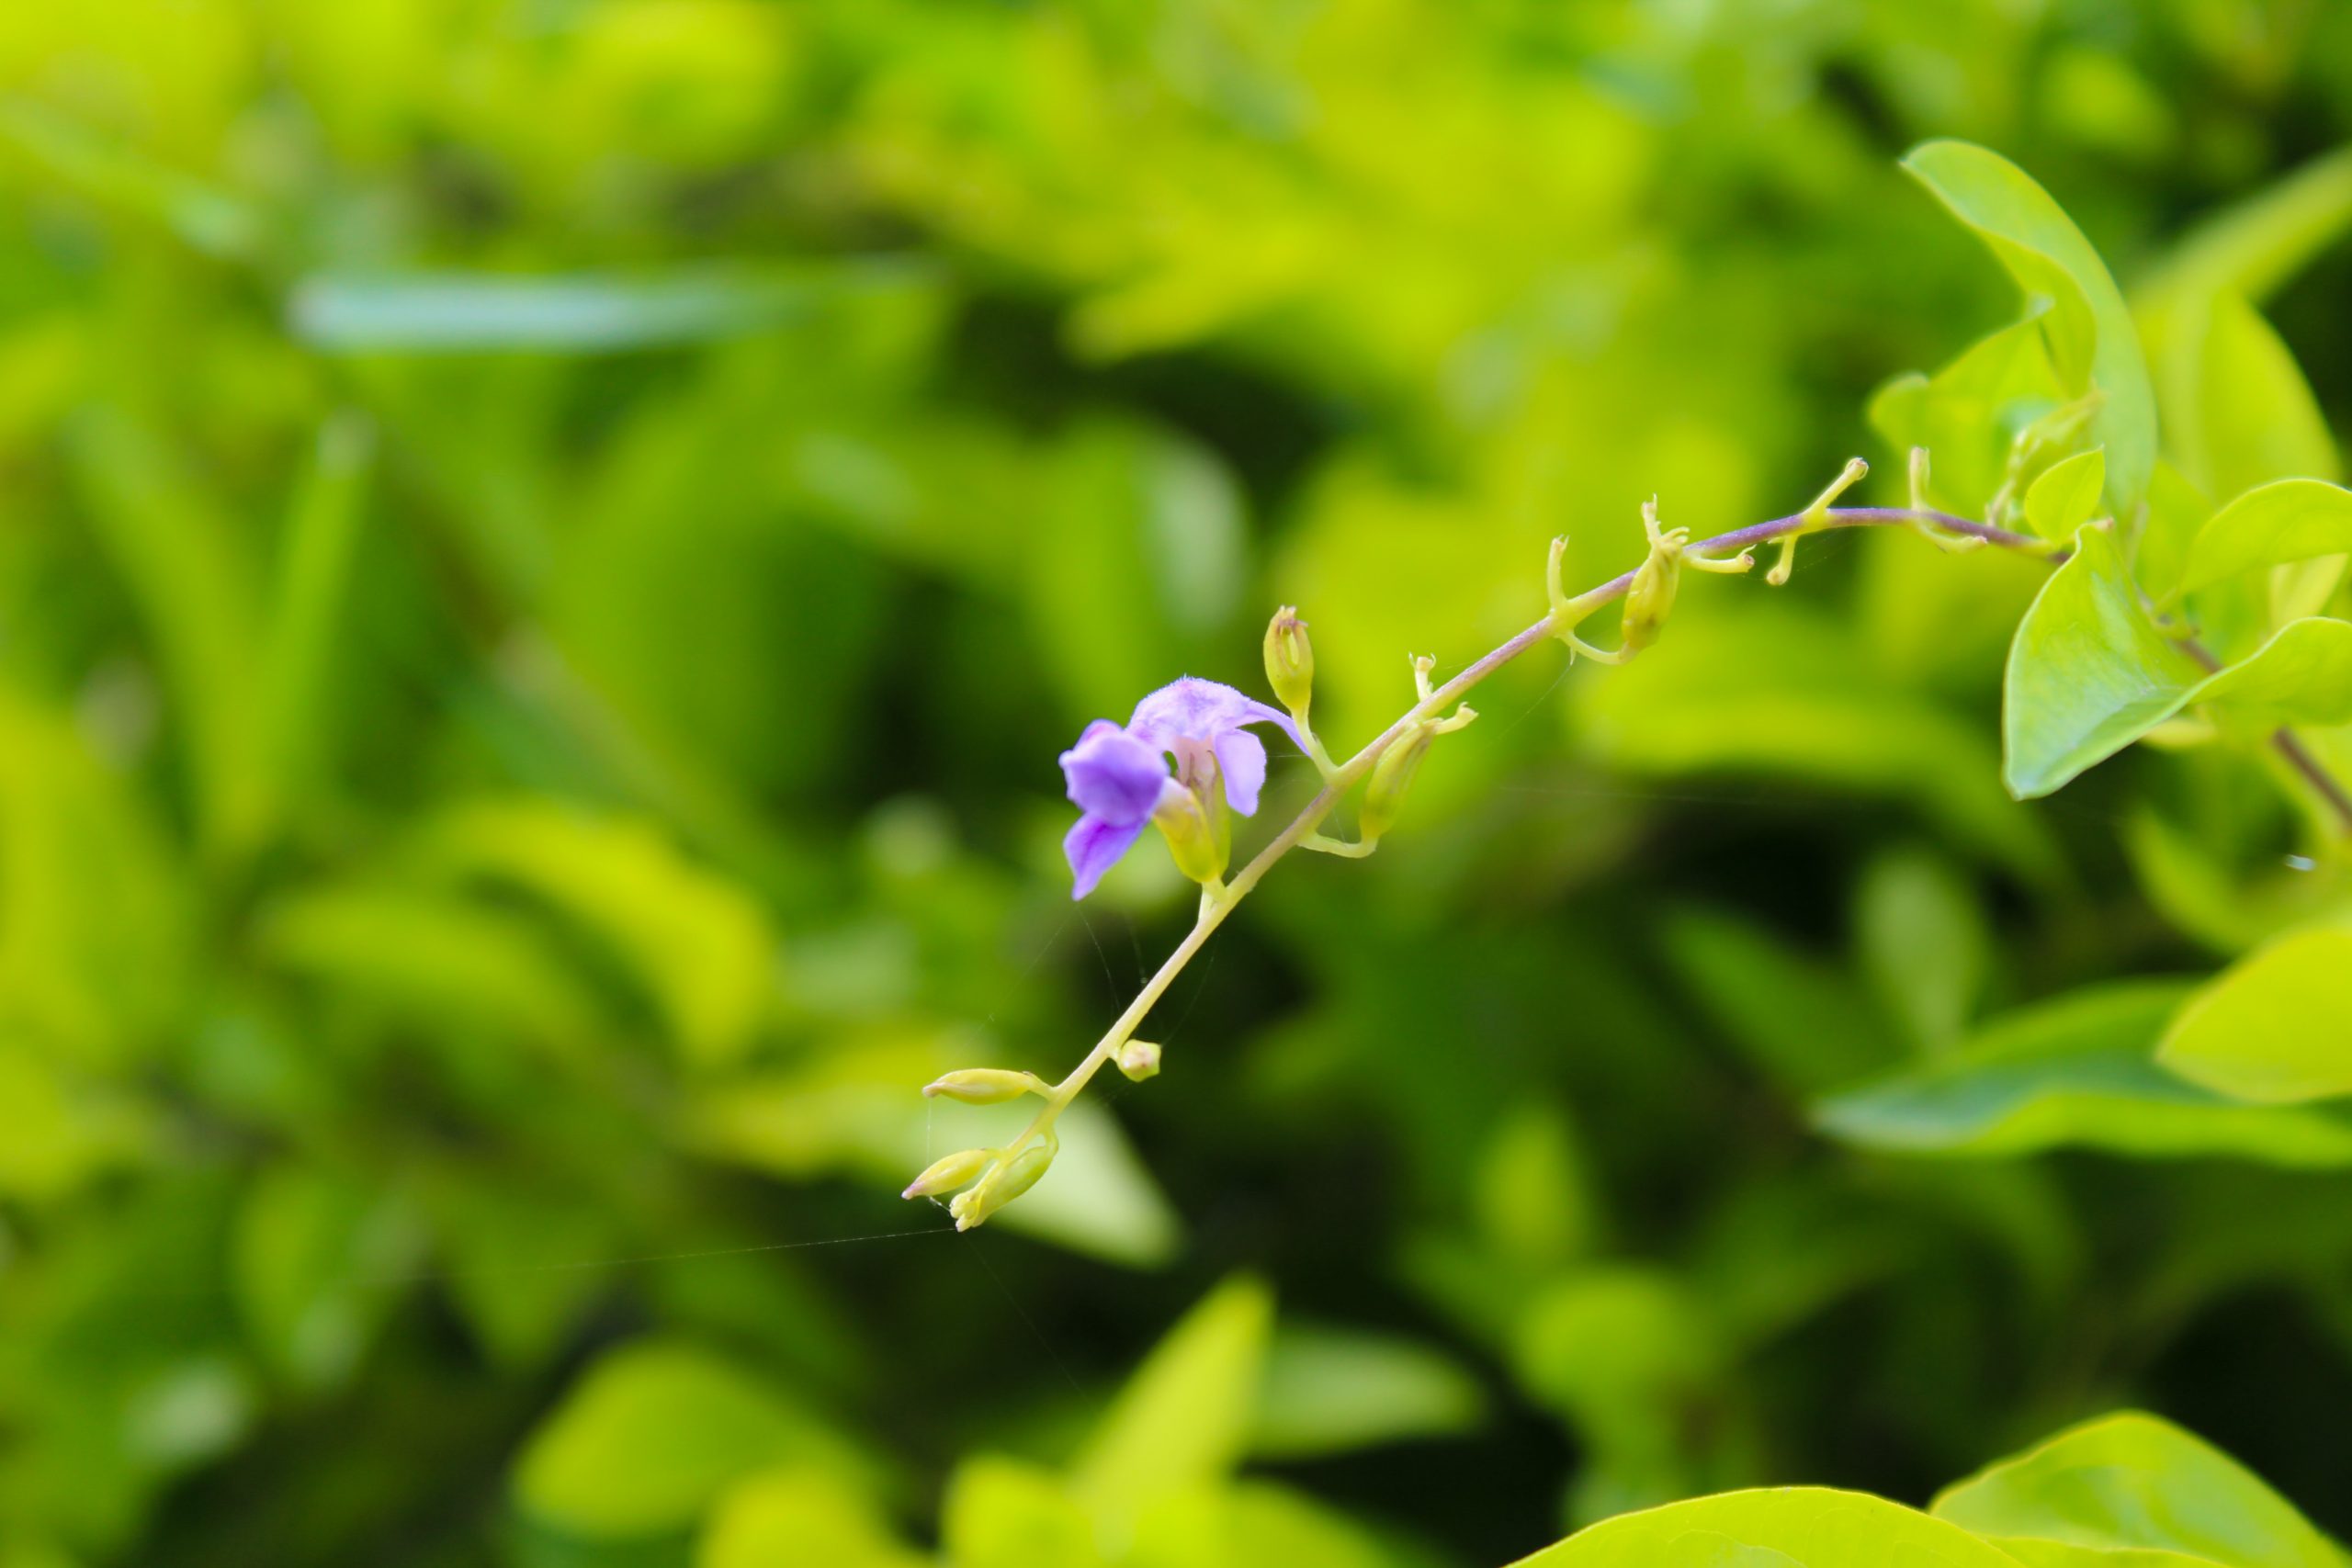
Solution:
(984, 1086)
(1138, 1059)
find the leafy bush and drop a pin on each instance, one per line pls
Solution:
(549, 550)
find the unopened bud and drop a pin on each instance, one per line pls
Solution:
(1001, 1185)
(1290, 661)
(948, 1173)
(1200, 837)
(1651, 598)
(1139, 1059)
(1384, 797)
(984, 1086)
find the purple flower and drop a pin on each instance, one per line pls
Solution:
(1117, 776)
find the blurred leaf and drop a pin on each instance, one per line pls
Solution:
(1529, 1191)
(474, 312)
(2290, 520)
(2088, 673)
(798, 1515)
(696, 945)
(1183, 1419)
(1330, 1391)
(311, 611)
(2274, 1027)
(2075, 1072)
(431, 957)
(2302, 675)
(1252, 1525)
(1788, 1527)
(201, 216)
(88, 894)
(58, 1130)
(2131, 1481)
(2066, 495)
(2093, 342)
(185, 569)
(656, 1430)
(1786, 694)
(1003, 1512)
(1923, 943)
(1800, 1020)
(2254, 245)
(319, 1263)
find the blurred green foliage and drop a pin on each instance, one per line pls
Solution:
(548, 547)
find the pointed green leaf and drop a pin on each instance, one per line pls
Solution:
(2290, 520)
(2075, 1072)
(2276, 1026)
(1184, 1419)
(2132, 1481)
(2092, 340)
(2088, 672)
(1786, 1527)
(2066, 495)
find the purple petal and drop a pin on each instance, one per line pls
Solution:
(1114, 775)
(1192, 708)
(1093, 847)
(1241, 761)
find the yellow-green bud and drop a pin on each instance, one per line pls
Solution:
(1138, 1059)
(949, 1173)
(1392, 776)
(1290, 661)
(1201, 838)
(984, 1086)
(1001, 1185)
(1651, 598)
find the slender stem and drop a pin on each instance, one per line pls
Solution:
(1339, 779)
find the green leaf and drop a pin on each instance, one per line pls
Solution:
(2276, 1026)
(798, 1515)
(2075, 1072)
(313, 1260)
(2302, 675)
(1003, 1513)
(2255, 246)
(1184, 1419)
(2088, 672)
(2092, 343)
(1800, 1021)
(2288, 520)
(1255, 1524)
(1331, 1391)
(2066, 495)
(1922, 939)
(310, 608)
(1787, 1527)
(1969, 412)
(653, 1432)
(2133, 1481)
(695, 943)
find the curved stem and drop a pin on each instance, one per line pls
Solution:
(1339, 778)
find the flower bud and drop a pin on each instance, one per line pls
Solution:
(1290, 661)
(1392, 776)
(1001, 1185)
(1199, 837)
(949, 1173)
(984, 1086)
(1138, 1059)
(1651, 599)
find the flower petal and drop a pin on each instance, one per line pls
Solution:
(1192, 708)
(1093, 847)
(1241, 761)
(1113, 776)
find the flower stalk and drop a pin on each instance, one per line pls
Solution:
(1390, 758)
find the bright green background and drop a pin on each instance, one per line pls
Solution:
(547, 551)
